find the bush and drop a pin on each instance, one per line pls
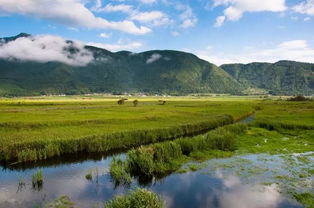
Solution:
(140, 198)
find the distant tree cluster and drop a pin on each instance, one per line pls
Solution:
(299, 98)
(135, 102)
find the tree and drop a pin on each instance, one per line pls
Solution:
(121, 101)
(135, 102)
(162, 102)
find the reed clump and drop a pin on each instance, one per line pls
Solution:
(119, 172)
(37, 179)
(139, 198)
(165, 157)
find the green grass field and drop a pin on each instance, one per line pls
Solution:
(38, 128)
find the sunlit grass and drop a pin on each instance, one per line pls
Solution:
(34, 129)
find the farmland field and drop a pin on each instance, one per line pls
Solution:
(223, 146)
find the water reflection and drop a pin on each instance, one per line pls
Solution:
(179, 190)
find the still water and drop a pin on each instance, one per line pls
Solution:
(212, 186)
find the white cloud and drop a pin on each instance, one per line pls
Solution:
(113, 8)
(148, 1)
(175, 33)
(306, 19)
(155, 18)
(154, 57)
(187, 16)
(104, 35)
(45, 48)
(72, 13)
(238, 195)
(297, 50)
(117, 47)
(305, 7)
(293, 44)
(236, 8)
(220, 21)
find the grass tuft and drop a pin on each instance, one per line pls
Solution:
(139, 198)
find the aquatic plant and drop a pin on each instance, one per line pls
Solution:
(307, 199)
(37, 179)
(118, 171)
(139, 198)
(89, 175)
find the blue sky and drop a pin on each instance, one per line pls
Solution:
(220, 31)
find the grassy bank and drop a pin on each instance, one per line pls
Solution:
(38, 129)
(163, 158)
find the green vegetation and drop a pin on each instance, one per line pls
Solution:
(38, 179)
(118, 172)
(154, 134)
(166, 157)
(33, 130)
(89, 175)
(139, 198)
(278, 115)
(135, 103)
(175, 73)
(281, 78)
(306, 199)
(259, 140)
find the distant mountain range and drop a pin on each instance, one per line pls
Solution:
(170, 72)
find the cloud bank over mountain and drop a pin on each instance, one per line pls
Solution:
(45, 48)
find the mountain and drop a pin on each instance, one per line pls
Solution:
(280, 78)
(8, 39)
(67, 67)
(157, 71)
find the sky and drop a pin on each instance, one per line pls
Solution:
(219, 31)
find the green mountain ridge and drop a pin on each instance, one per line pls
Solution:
(173, 72)
(280, 78)
(156, 71)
